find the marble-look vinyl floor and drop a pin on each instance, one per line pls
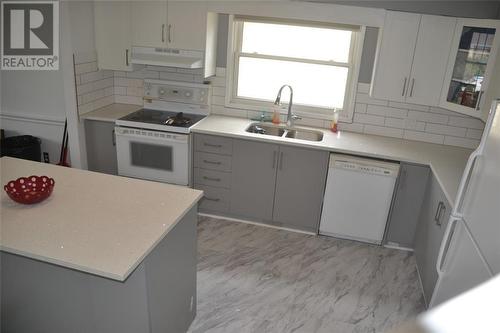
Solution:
(258, 279)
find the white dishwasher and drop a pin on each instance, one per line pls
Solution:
(358, 198)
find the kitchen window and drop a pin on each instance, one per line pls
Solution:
(318, 60)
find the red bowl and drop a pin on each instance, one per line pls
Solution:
(30, 190)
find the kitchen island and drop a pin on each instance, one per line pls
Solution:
(101, 254)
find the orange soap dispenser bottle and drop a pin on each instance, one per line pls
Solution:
(276, 115)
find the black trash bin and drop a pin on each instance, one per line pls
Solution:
(23, 146)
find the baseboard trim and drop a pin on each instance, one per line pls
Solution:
(257, 223)
(397, 247)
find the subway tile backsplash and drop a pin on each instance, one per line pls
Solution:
(94, 87)
(98, 88)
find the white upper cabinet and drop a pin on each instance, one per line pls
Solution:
(186, 25)
(172, 24)
(430, 59)
(412, 58)
(113, 37)
(471, 62)
(149, 23)
(395, 55)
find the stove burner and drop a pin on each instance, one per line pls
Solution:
(178, 120)
(160, 120)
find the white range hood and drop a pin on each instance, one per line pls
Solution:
(167, 57)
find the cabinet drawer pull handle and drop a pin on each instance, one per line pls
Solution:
(126, 57)
(212, 199)
(212, 162)
(441, 214)
(275, 154)
(113, 137)
(404, 87)
(212, 179)
(411, 89)
(170, 33)
(281, 160)
(211, 145)
(437, 210)
(440, 209)
(163, 33)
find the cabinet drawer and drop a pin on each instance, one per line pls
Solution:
(212, 161)
(214, 144)
(214, 199)
(212, 178)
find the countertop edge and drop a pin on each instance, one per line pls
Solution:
(110, 113)
(302, 143)
(100, 273)
(311, 145)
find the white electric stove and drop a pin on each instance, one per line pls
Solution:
(153, 143)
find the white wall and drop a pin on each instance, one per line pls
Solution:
(38, 102)
(33, 103)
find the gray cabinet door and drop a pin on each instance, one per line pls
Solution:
(300, 185)
(407, 205)
(101, 146)
(430, 230)
(253, 179)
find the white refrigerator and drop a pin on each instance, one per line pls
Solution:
(470, 250)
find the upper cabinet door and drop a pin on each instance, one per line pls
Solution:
(395, 55)
(431, 57)
(149, 23)
(187, 24)
(113, 34)
(470, 64)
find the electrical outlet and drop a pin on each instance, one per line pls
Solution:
(46, 158)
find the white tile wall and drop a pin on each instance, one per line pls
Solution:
(94, 87)
(371, 116)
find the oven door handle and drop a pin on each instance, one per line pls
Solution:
(167, 137)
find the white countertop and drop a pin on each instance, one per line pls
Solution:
(96, 223)
(111, 112)
(446, 162)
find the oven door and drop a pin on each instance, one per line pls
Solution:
(152, 155)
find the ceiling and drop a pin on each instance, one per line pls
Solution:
(475, 9)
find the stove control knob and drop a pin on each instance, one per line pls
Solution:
(161, 91)
(188, 94)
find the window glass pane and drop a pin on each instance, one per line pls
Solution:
(470, 65)
(296, 41)
(313, 84)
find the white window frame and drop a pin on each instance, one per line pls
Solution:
(235, 32)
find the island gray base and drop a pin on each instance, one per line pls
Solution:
(159, 296)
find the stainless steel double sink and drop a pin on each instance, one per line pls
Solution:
(284, 132)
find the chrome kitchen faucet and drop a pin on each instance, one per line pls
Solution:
(290, 118)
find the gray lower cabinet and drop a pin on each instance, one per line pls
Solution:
(431, 225)
(407, 203)
(101, 146)
(259, 181)
(254, 179)
(300, 185)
